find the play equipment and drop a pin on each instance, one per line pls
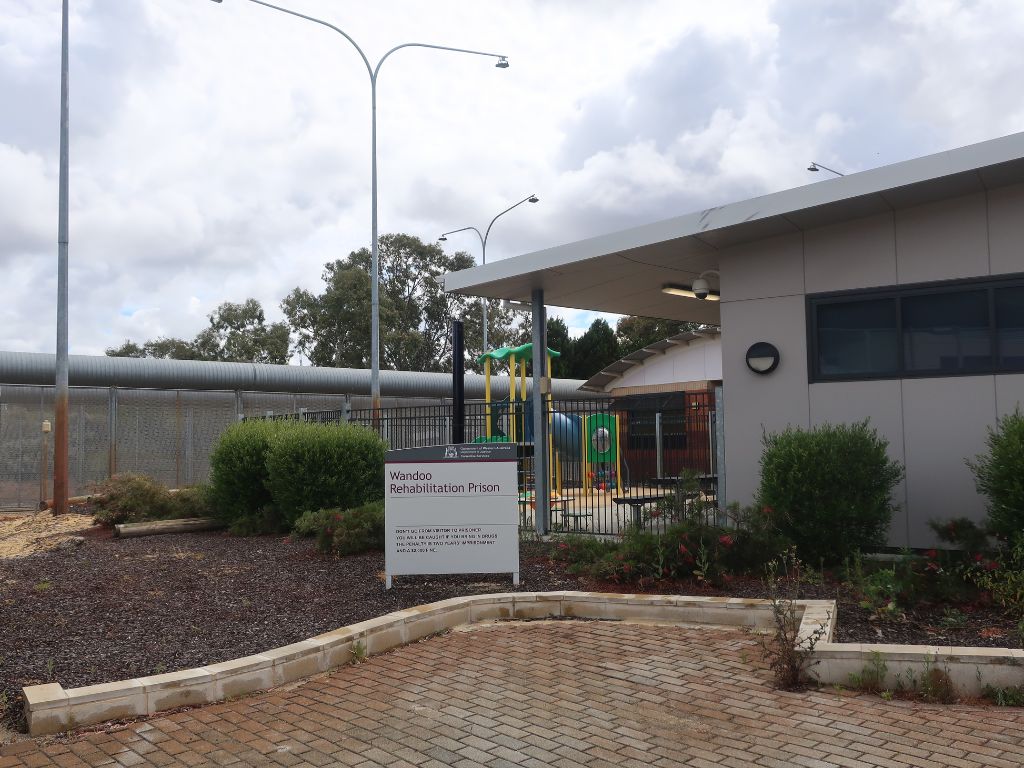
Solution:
(591, 440)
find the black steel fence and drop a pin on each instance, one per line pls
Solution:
(640, 460)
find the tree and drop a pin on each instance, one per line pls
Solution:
(160, 347)
(560, 341)
(638, 332)
(594, 350)
(333, 328)
(128, 349)
(237, 333)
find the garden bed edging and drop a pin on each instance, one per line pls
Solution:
(50, 709)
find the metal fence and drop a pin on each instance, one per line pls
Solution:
(167, 434)
(612, 463)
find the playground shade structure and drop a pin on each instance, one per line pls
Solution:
(591, 440)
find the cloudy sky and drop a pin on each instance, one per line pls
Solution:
(221, 151)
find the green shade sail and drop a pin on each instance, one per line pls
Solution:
(503, 353)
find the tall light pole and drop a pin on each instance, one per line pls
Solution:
(60, 404)
(483, 246)
(373, 71)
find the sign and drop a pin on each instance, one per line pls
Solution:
(451, 509)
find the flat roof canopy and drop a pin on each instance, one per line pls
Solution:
(623, 272)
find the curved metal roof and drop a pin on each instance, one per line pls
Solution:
(147, 373)
(599, 381)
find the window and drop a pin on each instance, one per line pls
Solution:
(858, 338)
(947, 332)
(944, 329)
(1010, 327)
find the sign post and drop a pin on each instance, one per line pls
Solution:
(451, 509)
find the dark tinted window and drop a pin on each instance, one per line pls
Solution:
(858, 338)
(1010, 327)
(947, 332)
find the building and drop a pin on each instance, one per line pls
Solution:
(895, 294)
(669, 389)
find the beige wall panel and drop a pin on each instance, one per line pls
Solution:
(1009, 393)
(853, 254)
(1006, 229)
(879, 401)
(752, 402)
(767, 268)
(943, 240)
(945, 421)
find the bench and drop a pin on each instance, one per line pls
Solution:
(637, 504)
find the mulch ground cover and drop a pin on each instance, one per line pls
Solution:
(112, 609)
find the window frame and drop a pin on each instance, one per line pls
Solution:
(989, 284)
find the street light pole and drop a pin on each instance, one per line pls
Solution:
(373, 72)
(60, 405)
(815, 167)
(483, 247)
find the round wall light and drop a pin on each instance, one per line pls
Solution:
(762, 357)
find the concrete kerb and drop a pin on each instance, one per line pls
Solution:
(52, 709)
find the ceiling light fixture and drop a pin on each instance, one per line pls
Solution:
(687, 293)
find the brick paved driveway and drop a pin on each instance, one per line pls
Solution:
(555, 693)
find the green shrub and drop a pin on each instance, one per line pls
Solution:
(580, 553)
(353, 531)
(238, 476)
(1002, 578)
(999, 475)
(191, 502)
(830, 488)
(311, 522)
(708, 553)
(323, 466)
(130, 498)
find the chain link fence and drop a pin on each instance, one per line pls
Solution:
(166, 434)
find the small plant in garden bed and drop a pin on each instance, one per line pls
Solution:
(688, 549)
(130, 498)
(345, 532)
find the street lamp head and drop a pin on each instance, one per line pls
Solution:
(502, 61)
(442, 239)
(813, 167)
(533, 199)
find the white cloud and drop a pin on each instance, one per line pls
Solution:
(222, 151)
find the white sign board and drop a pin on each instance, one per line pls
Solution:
(451, 509)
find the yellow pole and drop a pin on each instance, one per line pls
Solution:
(487, 395)
(585, 465)
(551, 437)
(618, 457)
(512, 382)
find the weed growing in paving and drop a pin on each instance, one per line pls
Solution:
(872, 677)
(789, 656)
(1010, 696)
(358, 652)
